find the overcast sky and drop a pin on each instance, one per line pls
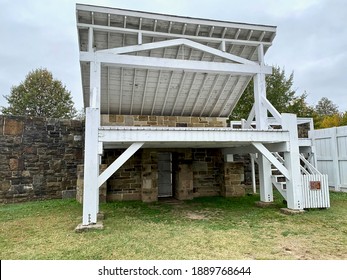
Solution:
(311, 39)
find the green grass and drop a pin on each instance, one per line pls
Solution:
(204, 228)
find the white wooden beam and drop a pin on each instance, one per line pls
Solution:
(179, 42)
(175, 64)
(271, 109)
(91, 168)
(90, 39)
(170, 82)
(292, 163)
(250, 118)
(167, 92)
(265, 184)
(197, 30)
(259, 108)
(250, 149)
(230, 95)
(210, 94)
(220, 94)
(199, 93)
(171, 35)
(187, 95)
(131, 134)
(156, 92)
(95, 83)
(184, 28)
(144, 91)
(167, 18)
(103, 177)
(133, 92)
(265, 152)
(179, 92)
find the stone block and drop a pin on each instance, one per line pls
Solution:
(13, 127)
(68, 194)
(143, 118)
(13, 164)
(128, 120)
(199, 166)
(149, 196)
(5, 186)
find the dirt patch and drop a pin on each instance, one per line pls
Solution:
(196, 216)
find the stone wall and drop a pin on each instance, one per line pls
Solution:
(43, 159)
(166, 121)
(38, 157)
(196, 173)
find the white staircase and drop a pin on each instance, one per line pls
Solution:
(312, 197)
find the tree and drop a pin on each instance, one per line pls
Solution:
(326, 121)
(40, 95)
(326, 107)
(326, 114)
(279, 92)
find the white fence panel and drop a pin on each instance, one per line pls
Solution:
(331, 155)
(315, 191)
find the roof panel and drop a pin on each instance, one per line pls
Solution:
(129, 90)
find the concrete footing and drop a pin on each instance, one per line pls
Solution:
(98, 226)
(263, 204)
(83, 228)
(288, 211)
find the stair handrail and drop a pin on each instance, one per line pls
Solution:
(309, 166)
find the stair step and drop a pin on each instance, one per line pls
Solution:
(279, 178)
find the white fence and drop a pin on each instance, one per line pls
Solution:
(331, 154)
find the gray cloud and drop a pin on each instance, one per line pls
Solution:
(311, 39)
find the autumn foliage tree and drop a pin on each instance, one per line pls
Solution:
(279, 92)
(40, 95)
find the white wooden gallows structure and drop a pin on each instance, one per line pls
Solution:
(152, 64)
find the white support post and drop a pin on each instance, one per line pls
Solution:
(91, 168)
(292, 163)
(259, 109)
(253, 173)
(260, 93)
(91, 154)
(265, 184)
(90, 39)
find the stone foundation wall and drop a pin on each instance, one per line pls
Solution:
(80, 184)
(196, 173)
(166, 121)
(38, 157)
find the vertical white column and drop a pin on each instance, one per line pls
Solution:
(265, 184)
(91, 153)
(259, 92)
(292, 163)
(91, 168)
(266, 192)
(259, 109)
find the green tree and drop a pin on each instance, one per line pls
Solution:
(326, 107)
(326, 114)
(279, 92)
(40, 95)
(343, 119)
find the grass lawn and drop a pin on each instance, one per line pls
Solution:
(205, 228)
